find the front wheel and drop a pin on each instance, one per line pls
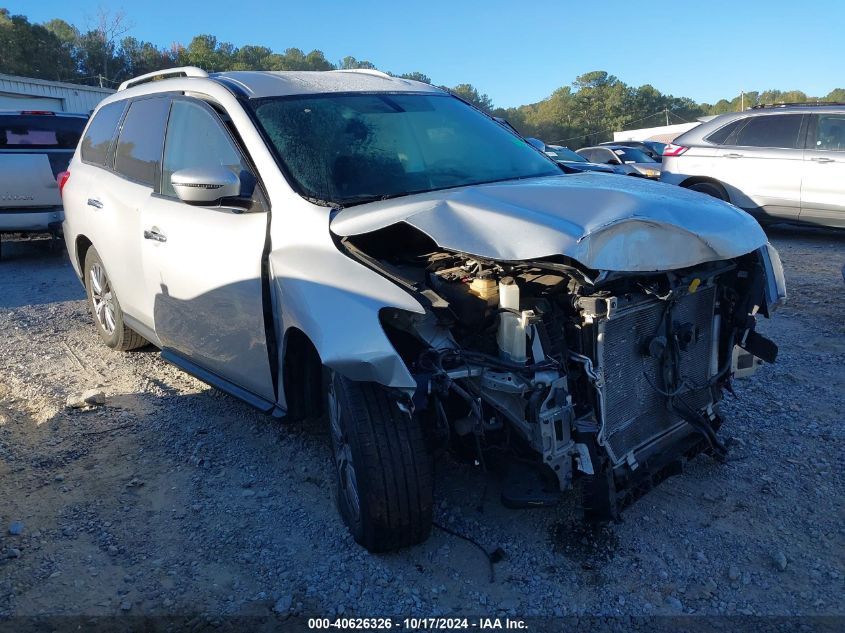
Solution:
(105, 308)
(711, 189)
(384, 470)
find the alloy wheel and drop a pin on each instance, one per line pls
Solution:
(102, 297)
(348, 480)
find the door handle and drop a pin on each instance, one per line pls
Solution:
(154, 235)
(93, 202)
(733, 155)
(822, 159)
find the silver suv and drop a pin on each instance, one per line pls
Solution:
(380, 253)
(35, 148)
(780, 163)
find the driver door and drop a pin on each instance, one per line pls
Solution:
(203, 263)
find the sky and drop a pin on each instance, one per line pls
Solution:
(520, 52)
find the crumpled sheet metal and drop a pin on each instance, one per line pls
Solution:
(605, 222)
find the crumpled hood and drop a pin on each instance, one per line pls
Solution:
(605, 223)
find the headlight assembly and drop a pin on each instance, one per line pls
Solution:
(775, 281)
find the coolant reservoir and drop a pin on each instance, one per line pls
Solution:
(511, 336)
(485, 288)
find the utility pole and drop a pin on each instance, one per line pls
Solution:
(742, 100)
(666, 111)
(100, 77)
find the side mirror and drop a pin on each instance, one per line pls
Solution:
(205, 185)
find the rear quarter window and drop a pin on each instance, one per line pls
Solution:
(40, 131)
(99, 135)
(721, 136)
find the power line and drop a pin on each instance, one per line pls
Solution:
(79, 80)
(678, 116)
(572, 138)
(664, 111)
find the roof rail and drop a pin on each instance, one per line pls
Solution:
(797, 104)
(364, 71)
(182, 71)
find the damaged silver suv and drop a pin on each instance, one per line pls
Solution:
(378, 252)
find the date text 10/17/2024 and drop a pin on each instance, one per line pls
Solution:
(418, 624)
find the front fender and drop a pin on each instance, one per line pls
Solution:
(335, 301)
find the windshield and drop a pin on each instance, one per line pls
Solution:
(656, 147)
(40, 131)
(564, 153)
(631, 155)
(346, 149)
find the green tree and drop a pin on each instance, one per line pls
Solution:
(470, 93)
(138, 58)
(587, 111)
(204, 51)
(416, 76)
(350, 63)
(836, 95)
(32, 50)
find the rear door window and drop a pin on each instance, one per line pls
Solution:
(40, 131)
(774, 130)
(830, 133)
(138, 153)
(99, 135)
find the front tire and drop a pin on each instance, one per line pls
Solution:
(711, 189)
(384, 470)
(105, 308)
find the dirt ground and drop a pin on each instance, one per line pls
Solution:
(173, 498)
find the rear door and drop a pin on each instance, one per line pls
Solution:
(119, 193)
(823, 184)
(761, 166)
(203, 264)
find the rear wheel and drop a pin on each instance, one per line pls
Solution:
(105, 308)
(711, 189)
(384, 469)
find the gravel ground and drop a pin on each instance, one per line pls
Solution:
(173, 498)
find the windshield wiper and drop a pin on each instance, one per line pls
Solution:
(356, 200)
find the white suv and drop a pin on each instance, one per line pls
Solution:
(779, 163)
(380, 252)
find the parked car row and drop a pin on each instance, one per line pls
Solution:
(624, 159)
(567, 158)
(378, 251)
(652, 149)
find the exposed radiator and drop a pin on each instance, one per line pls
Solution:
(634, 412)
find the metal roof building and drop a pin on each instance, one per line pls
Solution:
(26, 93)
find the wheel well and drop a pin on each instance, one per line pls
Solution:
(698, 179)
(82, 246)
(302, 376)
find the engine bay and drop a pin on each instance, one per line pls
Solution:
(604, 378)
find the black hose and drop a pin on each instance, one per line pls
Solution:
(492, 558)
